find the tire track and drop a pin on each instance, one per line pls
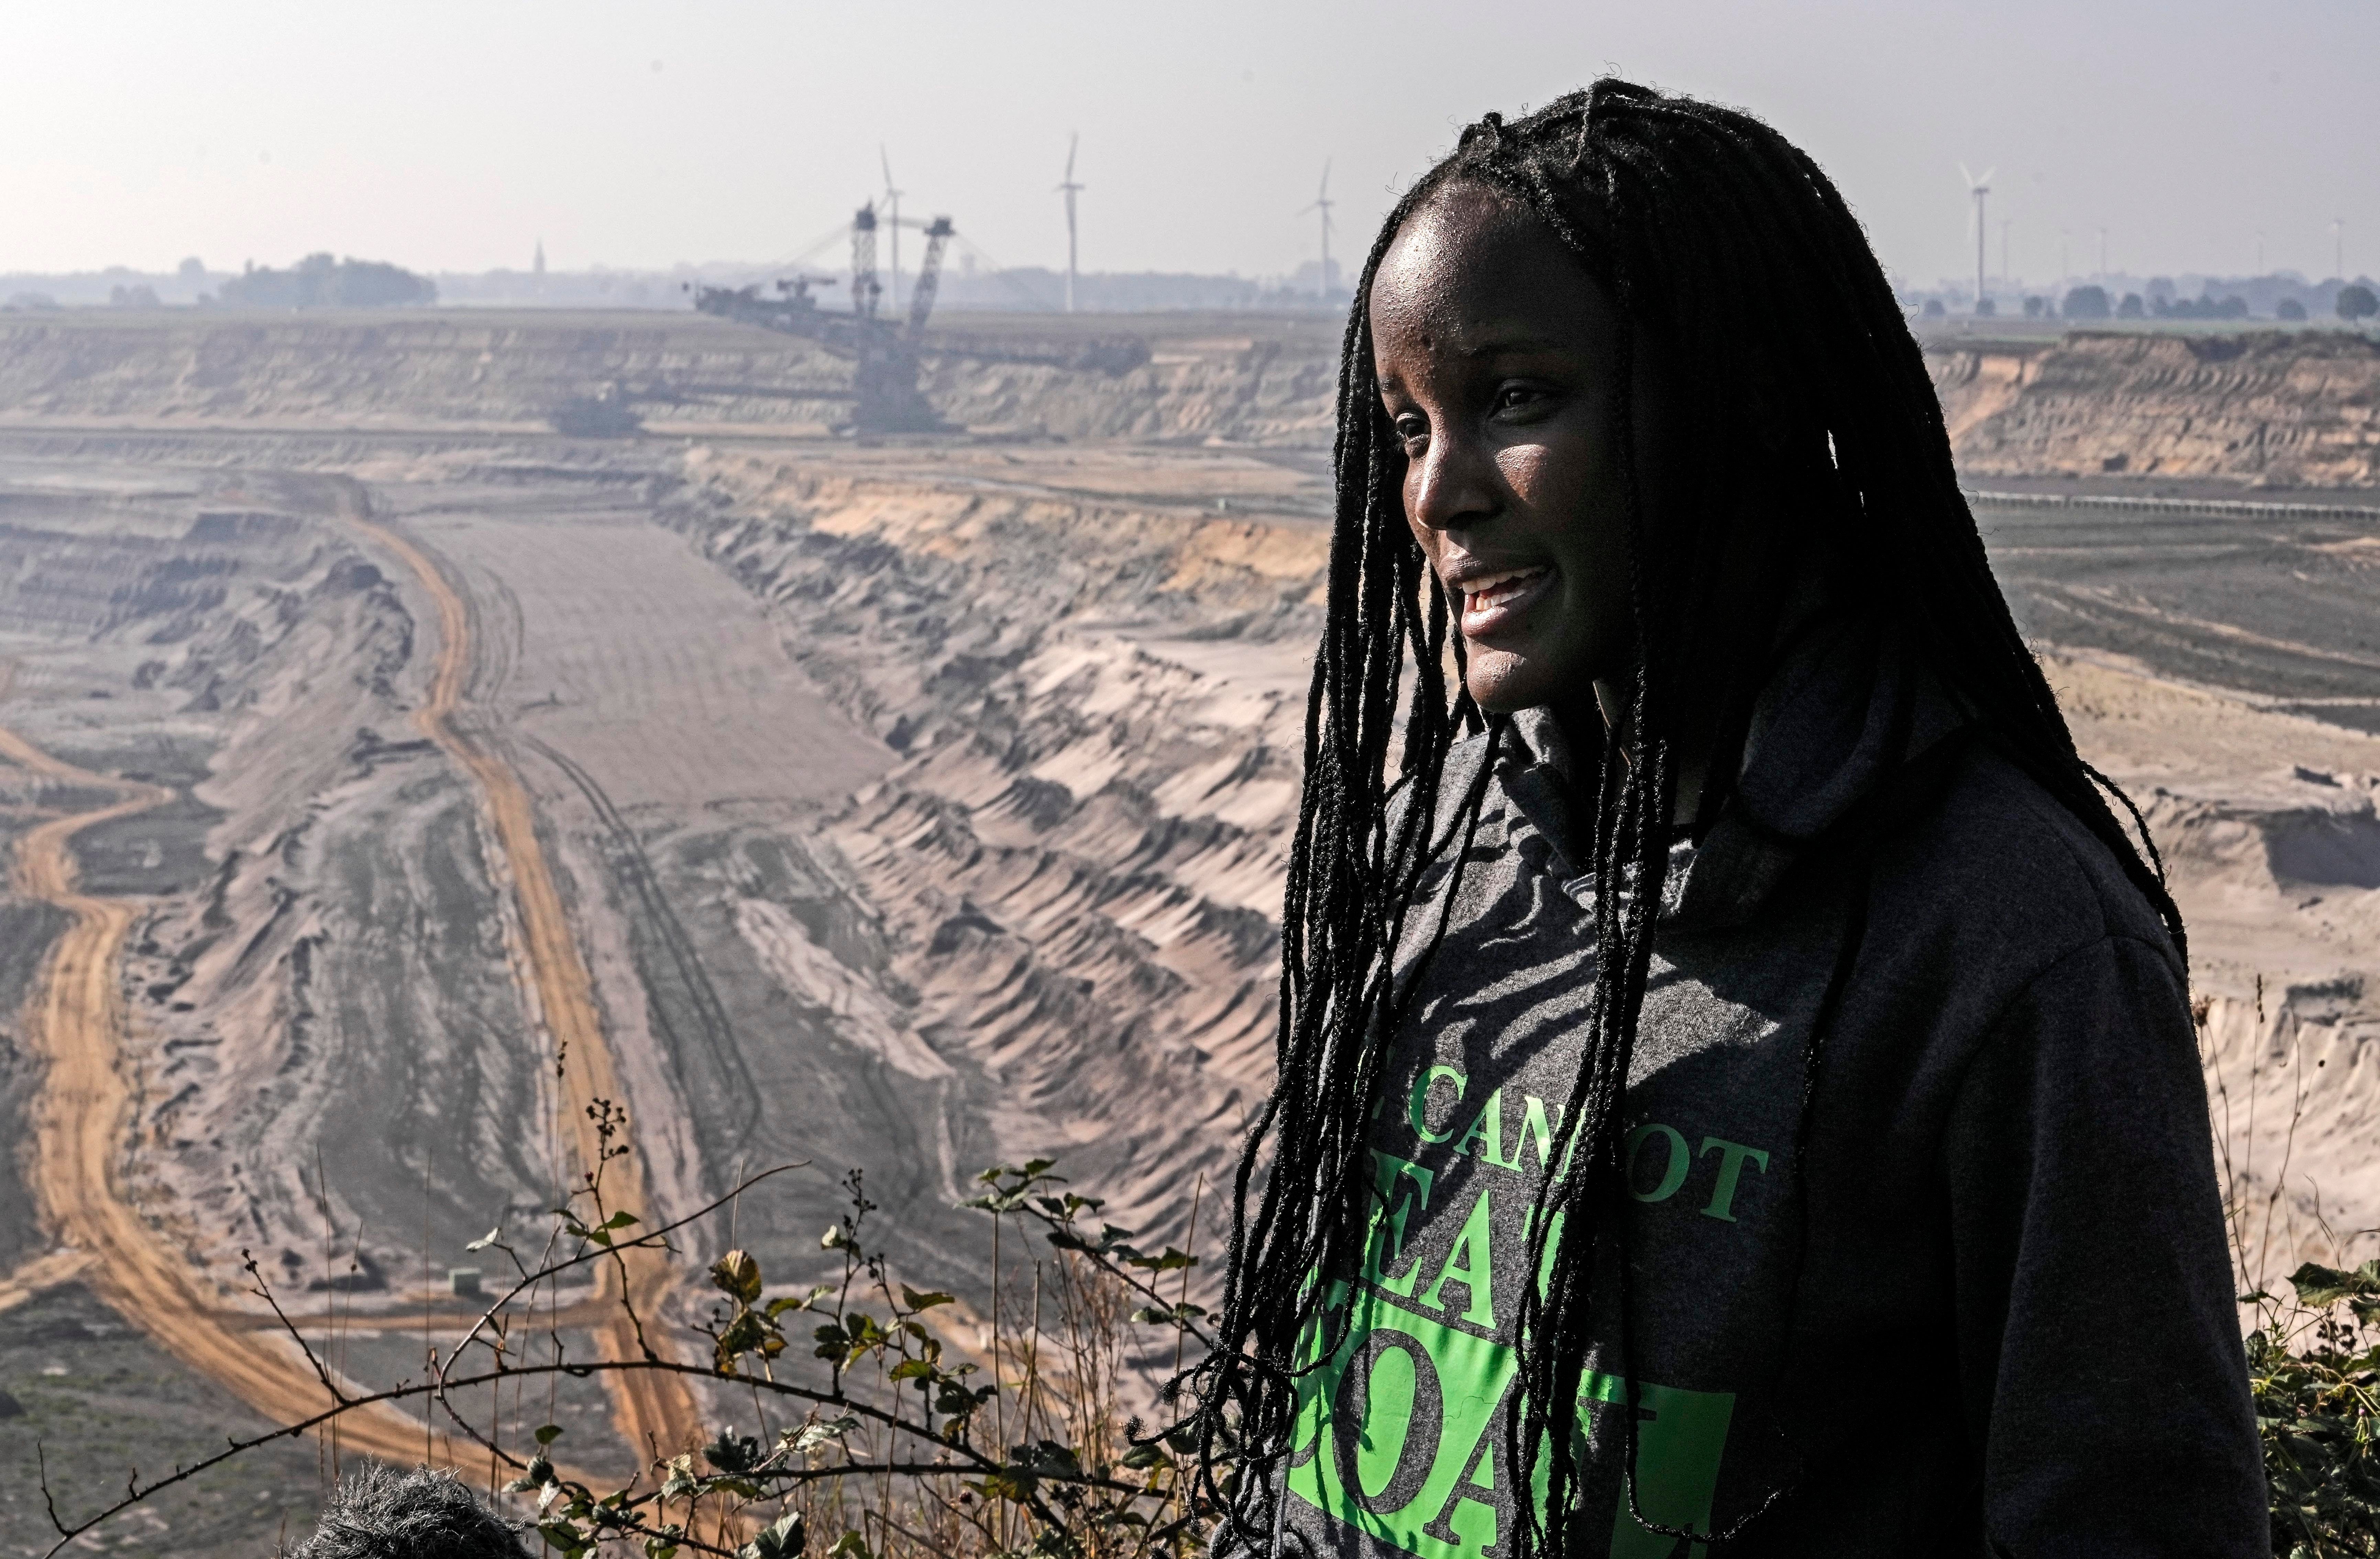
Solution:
(717, 1029)
(653, 1412)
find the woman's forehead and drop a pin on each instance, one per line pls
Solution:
(1470, 267)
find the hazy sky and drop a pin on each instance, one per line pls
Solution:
(454, 135)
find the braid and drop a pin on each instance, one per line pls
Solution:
(1728, 246)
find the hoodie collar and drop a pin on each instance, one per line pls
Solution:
(1846, 710)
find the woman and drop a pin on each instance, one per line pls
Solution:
(1738, 945)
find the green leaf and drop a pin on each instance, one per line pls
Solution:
(1173, 1261)
(2320, 1286)
(732, 1453)
(746, 1333)
(737, 1275)
(784, 1302)
(486, 1240)
(783, 1539)
(816, 1435)
(925, 1301)
(548, 1433)
(621, 1219)
(1013, 1484)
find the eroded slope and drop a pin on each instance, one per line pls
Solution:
(2271, 409)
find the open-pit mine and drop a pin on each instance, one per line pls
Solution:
(397, 788)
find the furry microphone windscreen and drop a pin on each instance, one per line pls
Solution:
(381, 1513)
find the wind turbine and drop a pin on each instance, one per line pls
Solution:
(1323, 202)
(892, 199)
(1068, 188)
(1978, 187)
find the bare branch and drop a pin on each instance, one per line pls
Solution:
(263, 1290)
(554, 1269)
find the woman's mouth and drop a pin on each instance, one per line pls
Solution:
(1494, 601)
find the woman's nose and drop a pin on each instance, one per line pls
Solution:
(1451, 487)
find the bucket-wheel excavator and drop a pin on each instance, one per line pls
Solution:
(886, 353)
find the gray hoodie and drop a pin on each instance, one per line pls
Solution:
(1975, 1300)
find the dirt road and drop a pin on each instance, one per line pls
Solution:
(75, 1022)
(653, 1412)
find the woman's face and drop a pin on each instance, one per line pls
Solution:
(1496, 354)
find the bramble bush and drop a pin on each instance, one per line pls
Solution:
(2313, 1364)
(889, 1441)
(2313, 1349)
(903, 1444)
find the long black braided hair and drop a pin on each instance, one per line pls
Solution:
(1721, 242)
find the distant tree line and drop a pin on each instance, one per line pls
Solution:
(2355, 303)
(320, 281)
(2282, 296)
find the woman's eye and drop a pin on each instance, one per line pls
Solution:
(1517, 397)
(1412, 427)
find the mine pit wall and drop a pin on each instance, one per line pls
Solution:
(1078, 861)
(2265, 410)
(1076, 864)
(1263, 380)
(2294, 1091)
(348, 968)
(362, 370)
(322, 1025)
(2279, 883)
(1277, 389)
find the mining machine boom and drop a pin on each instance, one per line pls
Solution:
(886, 354)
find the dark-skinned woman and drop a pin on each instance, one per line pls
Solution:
(1737, 1090)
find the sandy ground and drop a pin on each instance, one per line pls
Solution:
(2267, 822)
